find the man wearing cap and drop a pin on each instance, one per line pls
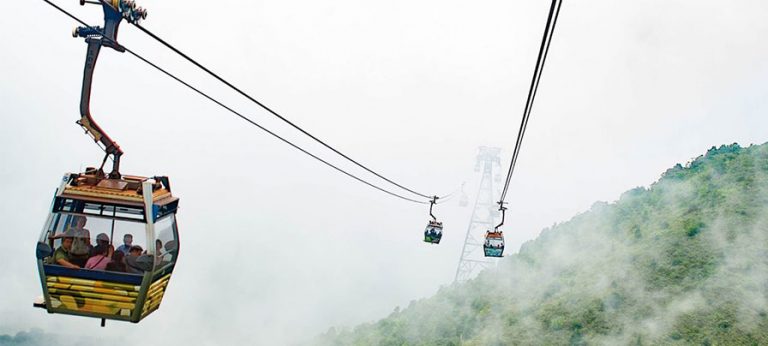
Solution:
(131, 260)
(102, 239)
(62, 256)
(135, 251)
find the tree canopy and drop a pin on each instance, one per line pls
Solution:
(684, 261)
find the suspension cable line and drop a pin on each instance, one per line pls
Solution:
(217, 102)
(270, 110)
(549, 30)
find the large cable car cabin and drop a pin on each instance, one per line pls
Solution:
(110, 242)
(88, 274)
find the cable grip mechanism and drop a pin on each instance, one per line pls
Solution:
(503, 210)
(432, 203)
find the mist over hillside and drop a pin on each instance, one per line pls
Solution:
(684, 261)
(38, 337)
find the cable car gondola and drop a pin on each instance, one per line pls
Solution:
(464, 199)
(81, 270)
(434, 231)
(494, 244)
(140, 207)
(494, 240)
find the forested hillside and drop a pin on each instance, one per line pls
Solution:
(682, 262)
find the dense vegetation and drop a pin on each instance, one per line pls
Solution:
(682, 262)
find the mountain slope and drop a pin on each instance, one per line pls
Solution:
(682, 262)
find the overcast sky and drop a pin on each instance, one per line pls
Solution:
(276, 247)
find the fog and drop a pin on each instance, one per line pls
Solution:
(275, 247)
(682, 262)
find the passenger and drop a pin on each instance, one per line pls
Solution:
(62, 255)
(135, 251)
(100, 259)
(132, 265)
(118, 263)
(81, 245)
(102, 238)
(170, 250)
(158, 247)
(158, 251)
(127, 242)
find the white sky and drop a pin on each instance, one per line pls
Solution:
(275, 247)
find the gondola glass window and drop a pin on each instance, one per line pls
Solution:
(77, 238)
(166, 244)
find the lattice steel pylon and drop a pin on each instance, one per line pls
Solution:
(483, 218)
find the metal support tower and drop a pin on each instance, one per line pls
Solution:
(483, 218)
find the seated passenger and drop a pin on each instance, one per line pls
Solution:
(158, 247)
(158, 251)
(101, 256)
(132, 264)
(170, 251)
(118, 263)
(127, 242)
(102, 238)
(135, 251)
(62, 256)
(81, 245)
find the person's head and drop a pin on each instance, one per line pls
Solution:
(101, 249)
(128, 239)
(66, 243)
(158, 245)
(80, 221)
(135, 250)
(102, 238)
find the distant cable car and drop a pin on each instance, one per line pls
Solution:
(110, 242)
(136, 208)
(464, 199)
(494, 240)
(494, 244)
(434, 230)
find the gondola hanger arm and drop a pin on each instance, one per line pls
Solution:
(96, 37)
(503, 211)
(432, 203)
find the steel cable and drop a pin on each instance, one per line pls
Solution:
(271, 111)
(549, 30)
(235, 112)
